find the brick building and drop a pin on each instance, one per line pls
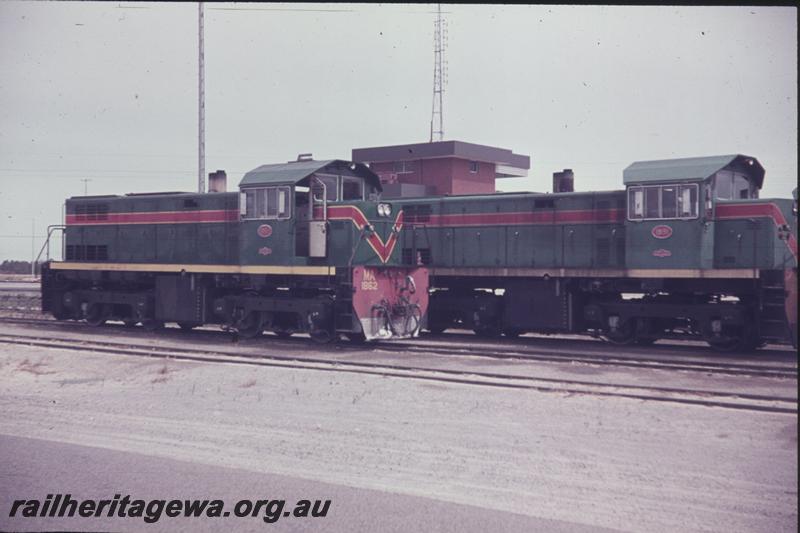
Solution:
(441, 168)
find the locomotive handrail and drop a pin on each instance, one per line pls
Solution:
(324, 199)
(355, 247)
(46, 245)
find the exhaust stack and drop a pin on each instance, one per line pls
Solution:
(218, 181)
(564, 181)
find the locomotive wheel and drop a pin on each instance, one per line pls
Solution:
(646, 341)
(322, 336)
(489, 332)
(512, 333)
(130, 322)
(95, 316)
(725, 344)
(250, 326)
(356, 338)
(186, 326)
(151, 324)
(735, 344)
(624, 335)
(737, 340)
(283, 333)
(436, 330)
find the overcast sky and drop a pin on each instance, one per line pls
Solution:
(108, 91)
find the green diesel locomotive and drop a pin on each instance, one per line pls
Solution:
(302, 247)
(687, 250)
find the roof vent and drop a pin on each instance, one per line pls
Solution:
(304, 157)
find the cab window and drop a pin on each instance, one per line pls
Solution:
(655, 202)
(267, 203)
(331, 188)
(741, 187)
(729, 185)
(669, 202)
(338, 188)
(687, 201)
(352, 188)
(651, 201)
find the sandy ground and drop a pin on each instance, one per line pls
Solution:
(601, 462)
(348, 353)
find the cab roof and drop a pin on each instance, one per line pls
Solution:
(692, 168)
(296, 171)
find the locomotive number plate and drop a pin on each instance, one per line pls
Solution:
(369, 283)
(662, 231)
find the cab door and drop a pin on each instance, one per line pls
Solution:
(322, 189)
(266, 227)
(664, 229)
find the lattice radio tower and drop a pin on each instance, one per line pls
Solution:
(439, 75)
(201, 103)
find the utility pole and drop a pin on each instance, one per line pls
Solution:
(439, 75)
(86, 185)
(201, 106)
(33, 247)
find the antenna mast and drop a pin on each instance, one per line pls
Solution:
(439, 75)
(201, 106)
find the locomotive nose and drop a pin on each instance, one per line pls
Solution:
(387, 301)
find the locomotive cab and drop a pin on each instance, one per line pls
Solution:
(698, 229)
(324, 219)
(284, 208)
(672, 208)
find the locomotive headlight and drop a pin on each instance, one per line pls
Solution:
(384, 210)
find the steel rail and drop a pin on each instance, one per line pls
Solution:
(547, 355)
(730, 400)
(528, 353)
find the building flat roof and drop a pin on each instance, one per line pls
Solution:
(460, 149)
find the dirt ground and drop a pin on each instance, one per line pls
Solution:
(605, 462)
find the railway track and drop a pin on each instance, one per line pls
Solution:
(526, 352)
(731, 400)
(560, 356)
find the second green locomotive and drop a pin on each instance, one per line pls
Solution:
(687, 250)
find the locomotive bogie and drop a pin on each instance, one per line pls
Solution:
(193, 300)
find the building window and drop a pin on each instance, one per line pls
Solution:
(267, 203)
(403, 167)
(474, 166)
(663, 202)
